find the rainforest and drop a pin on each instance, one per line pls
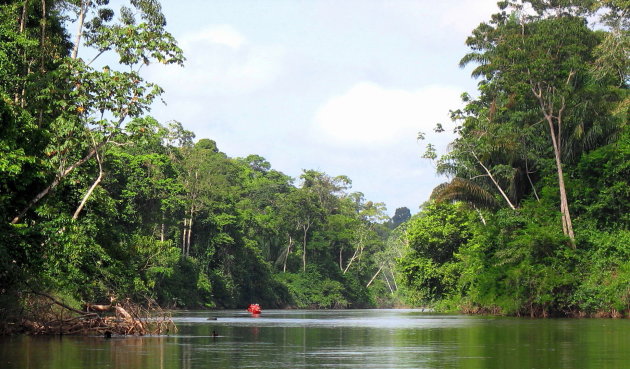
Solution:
(101, 202)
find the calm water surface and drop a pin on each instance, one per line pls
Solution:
(339, 339)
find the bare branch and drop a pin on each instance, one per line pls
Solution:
(507, 199)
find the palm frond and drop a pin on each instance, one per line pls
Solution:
(461, 189)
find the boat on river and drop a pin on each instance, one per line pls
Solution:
(255, 309)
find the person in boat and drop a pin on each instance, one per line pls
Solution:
(254, 309)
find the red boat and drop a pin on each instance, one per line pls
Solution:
(254, 309)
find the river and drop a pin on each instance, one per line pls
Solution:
(338, 339)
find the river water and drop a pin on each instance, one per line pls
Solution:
(338, 339)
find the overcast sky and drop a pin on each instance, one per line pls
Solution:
(340, 86)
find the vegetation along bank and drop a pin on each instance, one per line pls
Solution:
(101, 202)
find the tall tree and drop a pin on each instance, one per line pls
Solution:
(94, 104)
(544, 62)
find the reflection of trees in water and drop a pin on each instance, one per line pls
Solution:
(140, 352)
(384, 339)
(186, 356)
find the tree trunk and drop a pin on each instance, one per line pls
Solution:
(496, 184)
(43, 36)
(23, 17)
(358, 251)
(19, 99)
(354, 256)
(162, 229)
(286, 257)
(567, 224)
(374, 276)
(89, 192)
(84, 7)
(190, 225)
(394, 279)
(305, 227)
(547, 110)
(63, 174)
(56, 182)
(184, 238)
(388, 284)
(483, 220)
(531, 183)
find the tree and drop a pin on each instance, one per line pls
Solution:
(302, 212)
(101, 200)
(260, 202)
(434, 236)
(94, 104)
(327, 189)
(543, 63)
(546, 128)
(144, 174)
(401, 215)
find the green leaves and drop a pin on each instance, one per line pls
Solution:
(466, 191)
(428, 268)
(313, 290)
(550, 100)
(135, 43)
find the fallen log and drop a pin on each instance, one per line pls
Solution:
(98, 308)
(127, 318)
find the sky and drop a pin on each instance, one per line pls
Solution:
(342, 87)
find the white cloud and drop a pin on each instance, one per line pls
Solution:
(219, 62)
(284, 80)
(369, 114)
(463, 16)
(218, 34)
(444, 19)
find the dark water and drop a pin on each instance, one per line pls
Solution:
(339, 339)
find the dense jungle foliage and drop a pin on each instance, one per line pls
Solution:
(101, 201)
(535, 218)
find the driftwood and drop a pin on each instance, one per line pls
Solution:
(51, 316)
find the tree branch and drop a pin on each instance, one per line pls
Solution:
(89, 192)
(84, 7)
(57, 302)
(507, 199)
(374, 277)
(56, 182)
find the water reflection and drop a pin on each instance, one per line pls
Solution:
(339, 339)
